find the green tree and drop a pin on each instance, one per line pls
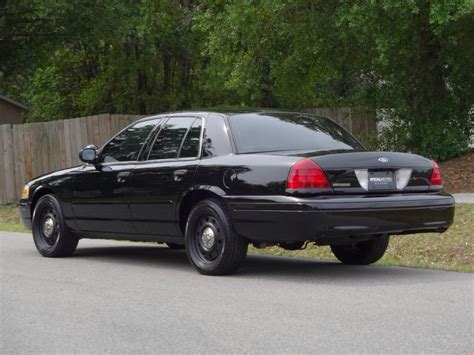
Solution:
(410, 58)
(422, 61)
(111, 56)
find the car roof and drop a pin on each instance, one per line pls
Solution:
(226, 112)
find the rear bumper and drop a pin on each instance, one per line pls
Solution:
(327, 219)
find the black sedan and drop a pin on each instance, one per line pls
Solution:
(214, 182)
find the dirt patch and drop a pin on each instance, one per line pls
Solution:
(458, 174)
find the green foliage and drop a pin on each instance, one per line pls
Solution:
(411, 57)
(421, 49)
(107, 56)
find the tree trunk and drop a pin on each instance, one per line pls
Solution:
(141, 80)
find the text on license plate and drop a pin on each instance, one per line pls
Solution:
(381, 180)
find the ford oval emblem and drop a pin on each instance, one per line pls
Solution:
(383, 160)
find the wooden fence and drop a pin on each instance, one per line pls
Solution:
(359, 123)
(31, 149)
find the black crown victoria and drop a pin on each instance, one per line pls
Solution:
(214, 182)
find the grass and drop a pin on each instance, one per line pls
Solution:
(10, 220)
(12, 227)
(452, 250)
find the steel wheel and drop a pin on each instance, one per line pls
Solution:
(50, 234)
(47, 230)
(212, 246)
(209, 242)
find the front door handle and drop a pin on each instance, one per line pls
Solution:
(179, 174)
(123, 176)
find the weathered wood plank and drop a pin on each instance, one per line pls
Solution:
(67, 142)
(8, 161)
(78, 133)
(21, 150)
(55, 148)
(94, 121)
(62, 145)
(115, 124)
(3, 149)
(17, 146)
(35, 150)
(50, 158)
(43, 154)
(104, 128)
(75, 141)
(27, 151)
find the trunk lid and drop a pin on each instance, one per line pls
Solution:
(374, 172)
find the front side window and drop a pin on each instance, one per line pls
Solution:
(127, 144)
(170, 138)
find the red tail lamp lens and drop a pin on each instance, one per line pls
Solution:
(436, 175)
(306, 174)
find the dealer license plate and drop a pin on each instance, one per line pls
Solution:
(381, 180)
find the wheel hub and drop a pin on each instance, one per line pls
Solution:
(48, 227)
(208, 238)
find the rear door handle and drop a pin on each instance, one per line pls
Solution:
(123, 176)
(179, 174)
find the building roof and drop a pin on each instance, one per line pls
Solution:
(13, 102)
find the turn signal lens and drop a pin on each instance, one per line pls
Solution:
(306, 174)
(25, 192)
(436, 175)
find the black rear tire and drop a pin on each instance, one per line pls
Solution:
(175, 246)
(51, 235)
(212, 246)
(362, 253)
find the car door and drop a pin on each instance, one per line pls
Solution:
(101, 193)
(164, 175)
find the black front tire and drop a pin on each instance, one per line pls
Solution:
(362, 253)
(51, 236)
(212, 246)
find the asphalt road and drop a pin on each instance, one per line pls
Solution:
(130, 297)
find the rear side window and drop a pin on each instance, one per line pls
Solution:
(170, 138)
(126, 145)
(216, 138)
(190, 147)
(258, 133)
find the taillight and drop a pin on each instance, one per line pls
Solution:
(306, 174)
(436, 176)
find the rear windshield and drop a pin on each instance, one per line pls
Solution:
(268, 132)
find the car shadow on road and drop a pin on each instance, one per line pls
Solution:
(263, 266)
(325, 271)
(144, 255)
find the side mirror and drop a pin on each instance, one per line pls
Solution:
(89, 154)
